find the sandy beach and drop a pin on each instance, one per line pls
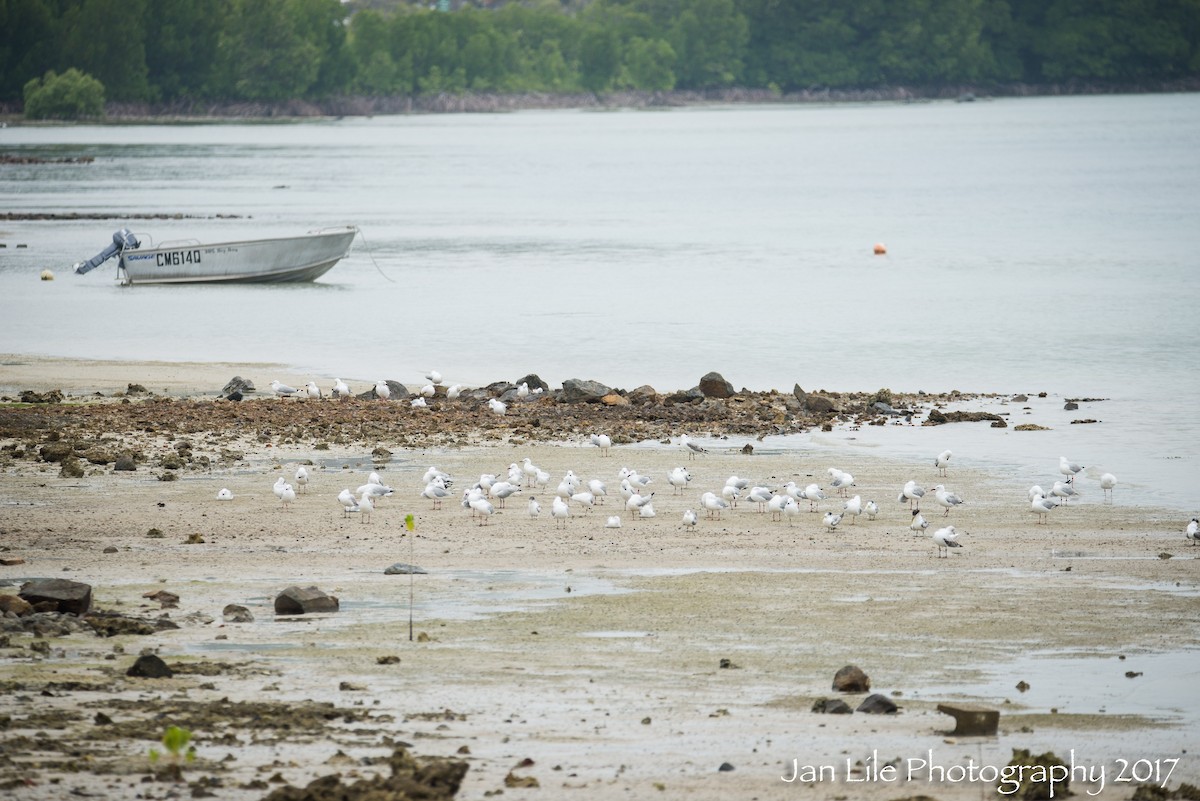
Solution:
(646, 661)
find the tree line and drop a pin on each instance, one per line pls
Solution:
(173, 51)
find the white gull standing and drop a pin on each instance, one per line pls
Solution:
(382, 390)
(841, 481)
(436, 492)
(497, 406)
(348, 501)
(912, 493)
(340, 390)
(560, 511)
(1064, 489)
(871, 509)
(366, 507)
(713, 505)
(1107, 483)
(946, 499)
(813, 494)
(678, 479)
(691, 447)
(790, 507)
(761, 496)
(603, 442)
(1068, 468)
(945, 539)
(313, 391)
(597, 488)
(282, 390)
(1042, 507)
(778, 503)
(1192, 532)
(942, 461)
(854, 508)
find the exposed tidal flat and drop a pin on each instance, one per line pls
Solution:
(605, 662)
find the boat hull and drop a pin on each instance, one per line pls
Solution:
(285, 259)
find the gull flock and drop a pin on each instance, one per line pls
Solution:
(573, 499)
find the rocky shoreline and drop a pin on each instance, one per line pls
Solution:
(99, 430)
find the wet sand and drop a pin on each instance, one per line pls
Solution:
(597, 653)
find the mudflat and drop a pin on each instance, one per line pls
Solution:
(652, 659)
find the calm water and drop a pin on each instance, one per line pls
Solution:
(1034, 244)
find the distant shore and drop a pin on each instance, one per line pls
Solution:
(486, 102)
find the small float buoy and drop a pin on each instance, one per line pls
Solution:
(880, 250)
(47, 275)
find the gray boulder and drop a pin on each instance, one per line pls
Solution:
(235, 613)
(303, 601)
(819, 404)
(714, 385)
(237, 388)
(578, 390)
(832, 706)
(851, 679)
(149, 666)
(71, 597)
(402, 569)
(876, 704)
(533, 381)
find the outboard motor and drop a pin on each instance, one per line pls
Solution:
(122, 240)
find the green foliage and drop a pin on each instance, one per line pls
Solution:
(71, 96)
(175, 740)
(277, 50)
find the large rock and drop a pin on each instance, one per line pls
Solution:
(819, 404)
(71, 468)
(832, 706)
(71, 597)
(876, 704)
(851, 679)
(714, 385)
(149, 666)
(683, 396)
(402, 569)
(56, 451)
(236, 613)
(578, 390)
(303, 601)
(237, 386)
(643, 394)
(533, 381)
(125, 462)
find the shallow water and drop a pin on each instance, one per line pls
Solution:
(1042, 244)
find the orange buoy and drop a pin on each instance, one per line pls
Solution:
(880, 250)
